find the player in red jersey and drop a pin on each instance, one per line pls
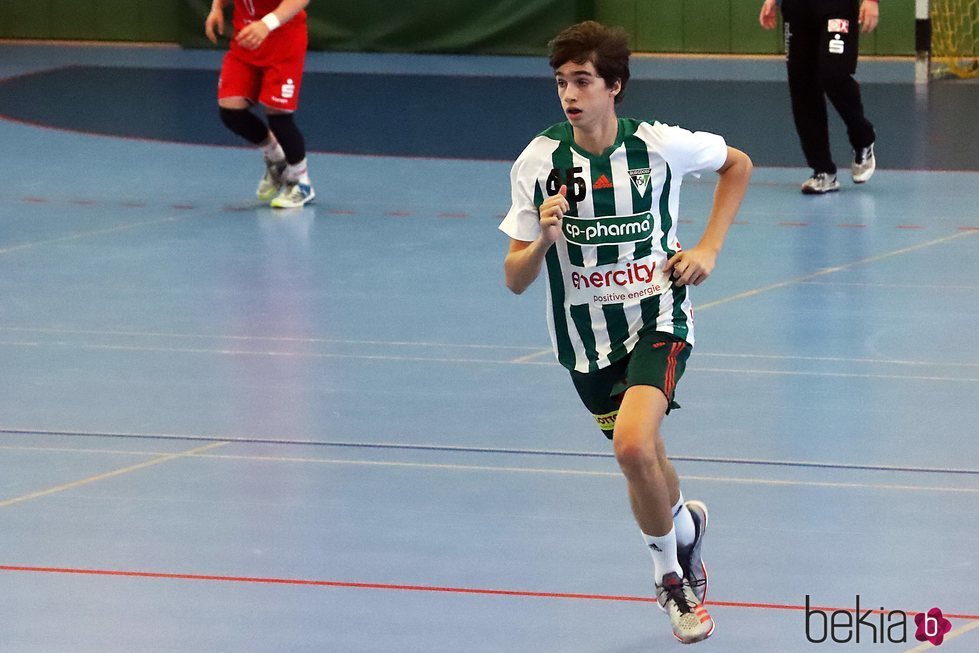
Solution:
(265, 66)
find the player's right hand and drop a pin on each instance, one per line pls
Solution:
(214, 25)
(552, 212)
(767, 17)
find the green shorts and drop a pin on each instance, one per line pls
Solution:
(658, 359)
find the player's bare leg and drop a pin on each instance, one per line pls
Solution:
(653, 488)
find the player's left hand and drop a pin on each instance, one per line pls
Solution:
(691, 266)
(869, 15)
(252, 35)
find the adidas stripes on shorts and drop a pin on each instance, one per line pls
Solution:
(657, 360)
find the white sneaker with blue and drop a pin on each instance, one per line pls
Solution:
(293, 195)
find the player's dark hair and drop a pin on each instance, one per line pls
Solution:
(607, 48)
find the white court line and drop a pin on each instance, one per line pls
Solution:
(847, 375)
(836, 359)
(530, 357)
(503, 469)
(434, 359)
(406, 446)
(201, 336)
(537, 353)
(958, 632)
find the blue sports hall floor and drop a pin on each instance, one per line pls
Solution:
(224, 428)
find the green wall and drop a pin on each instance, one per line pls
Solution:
(493, 26)
(731, 26)
(103, 20)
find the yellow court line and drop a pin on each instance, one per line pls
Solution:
(489, 468)
(802, 279)
(958, 632)
(101, 232)
(112, 474)
(836, 268)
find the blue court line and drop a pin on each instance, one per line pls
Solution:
(491, 450)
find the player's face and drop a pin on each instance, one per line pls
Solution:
(585, 97)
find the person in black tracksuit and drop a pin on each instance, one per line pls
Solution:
(821, 44)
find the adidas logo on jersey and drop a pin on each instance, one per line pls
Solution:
(601, 183)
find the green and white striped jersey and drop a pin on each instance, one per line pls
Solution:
(605, 280)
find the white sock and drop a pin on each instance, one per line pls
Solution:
(271, 149)
(683, 524)
(297, 173)
(663, 550)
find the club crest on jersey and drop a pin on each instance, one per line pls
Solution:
(838, 26)
(640, 179)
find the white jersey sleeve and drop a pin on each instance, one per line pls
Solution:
(522, 221)
(691, 153)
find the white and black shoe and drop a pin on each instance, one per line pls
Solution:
(864, 164)
(820, 183)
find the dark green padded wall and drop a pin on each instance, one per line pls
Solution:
(731, 26)
(103, 20)
(689, 26)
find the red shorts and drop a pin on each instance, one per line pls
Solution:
(270, 75)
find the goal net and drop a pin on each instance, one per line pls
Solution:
(955, 38)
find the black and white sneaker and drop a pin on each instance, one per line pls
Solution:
(864, 164)
(820, 183)
(691, 561)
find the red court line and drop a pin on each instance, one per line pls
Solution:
(422, 588)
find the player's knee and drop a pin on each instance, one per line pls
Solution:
(636, 455)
